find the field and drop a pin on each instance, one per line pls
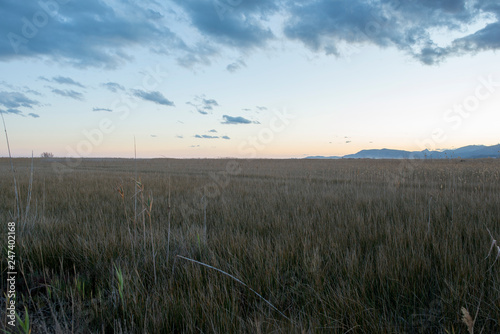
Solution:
(333, 246)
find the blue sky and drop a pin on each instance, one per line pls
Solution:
(247, 78)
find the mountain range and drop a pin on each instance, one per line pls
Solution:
(466, 152)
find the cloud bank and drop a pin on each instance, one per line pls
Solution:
(101, 33)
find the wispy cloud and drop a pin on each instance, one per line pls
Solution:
(67, 81)
(102, 109)
(68, 93)
(12, 111)
(206, 137)
(233, 67)
(236, 120)
(213, 130)
(16, 100)
(113, 86)
(62, 80)
(202, 104)
(33, 115)
(153, 96)
(225, 137)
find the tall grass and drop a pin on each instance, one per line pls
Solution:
(332, 245)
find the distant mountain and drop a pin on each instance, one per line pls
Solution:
(466, 152)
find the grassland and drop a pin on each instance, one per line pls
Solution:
(335, 245)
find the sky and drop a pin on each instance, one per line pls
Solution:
(247, 78)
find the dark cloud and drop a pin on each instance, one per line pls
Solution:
(82, 33)
(102, 109)
(323, 25)
(67, 81)
(113, 86)
(225, 137)
(100, 34)
(234, 23)
(68, 93)
(206, 137)
(236, 120)
(153, 96)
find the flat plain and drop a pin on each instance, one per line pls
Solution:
(357, 246)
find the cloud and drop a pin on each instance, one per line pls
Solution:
(31, 91)
(233, 67)
(206, 137)
(323, 25)
(261, 108)
(102, 109)
(67, 81)
(154, 136)
(12, 111)
(153, 96)
(225, 137)
(179, 136)
(213, 130)
(237, 120)
(208, 104)
(113, 86)
(33, 115)
(68, 93)
(89, 33)
(97, 33)
(202, 104)
(239, 25)
(16, 100)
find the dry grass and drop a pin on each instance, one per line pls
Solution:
(336, 246)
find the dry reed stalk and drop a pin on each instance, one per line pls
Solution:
(30, 187)
(168, 232)
(18, 204)
(237, 280)
(467, 320)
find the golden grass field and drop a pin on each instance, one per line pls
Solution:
(336, 246)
